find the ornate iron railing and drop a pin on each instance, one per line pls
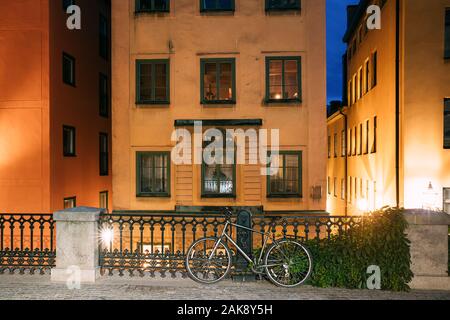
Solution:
(156, 243)
(27, 243)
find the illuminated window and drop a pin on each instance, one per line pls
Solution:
(152, 81)
(282, 5)
(152, 5)
(447, 123)
(343, 191)
(69, 135)
(68, 68)
(70, 203)
(218, 82)
(104, 199)
(287, 181)
(343, 144)
(153, 174)
(216, 5)
(283, 79)
(447, 34)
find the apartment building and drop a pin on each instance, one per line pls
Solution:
(388, 145)
(228, 64)
(55, 119)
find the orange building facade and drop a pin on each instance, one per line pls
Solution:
(54, 106)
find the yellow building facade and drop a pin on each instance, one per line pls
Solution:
(232, 65)
(392, 133)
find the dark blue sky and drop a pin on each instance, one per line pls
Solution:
(336, 25)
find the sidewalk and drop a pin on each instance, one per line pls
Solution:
(19, 287)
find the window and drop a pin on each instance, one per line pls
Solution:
(374, 69)
(69, 141)
(103, 95)
(350, 189)
(104, 200)
(68, 69)
(104, 154)
(287, 181)
(447, 34)
(360, 144)
(354, 89)
(329, 147)
(70, 203)
(360, 83)
(153, 84)
(343, 191)
(447, 123)
(374, 145)
(67, 3)
(350, 142)
(153, 174)
(366, 144)
(282, 5)
(329, 185)
(218, 81)
(335, 145)
(447, 200)
(335, 190)
(152, 5)
(343, 144)
(283, 79)
(219, 179)
(349, 93)
(216, 5)
(103, 37)
(355, 140)
(367, 77)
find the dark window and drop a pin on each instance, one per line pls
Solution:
(152, 5)
(218, 81)
(374, 69)
(367, 77)
(447, 33)
(67, 3)
(69, 134)
(374, 145)
(153, 81)
(283, 79)
(104, 200)
(366, 144)
(447, 123)
(216, 5)
(103, 37)
(343, 144)
(70, 203)
(104, 154)
(360, 144)
(219, 179)
(287, 180)
(103, 95)
(329, 147)
(68, 69)
(335, 145)
(153, 174)
(282, 5)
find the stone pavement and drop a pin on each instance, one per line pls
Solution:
(21, 287)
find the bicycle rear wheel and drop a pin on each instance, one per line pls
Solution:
(207, 262)
(288, 263)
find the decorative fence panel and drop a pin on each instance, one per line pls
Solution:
(27, 243)
(156, 243)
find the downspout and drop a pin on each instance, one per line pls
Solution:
(397, 104)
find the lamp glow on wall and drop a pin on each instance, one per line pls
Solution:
(363, 205)
(430, 198)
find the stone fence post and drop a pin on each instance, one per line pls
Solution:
(428, 233)
(77, 245)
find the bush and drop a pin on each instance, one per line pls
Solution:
(342, 261)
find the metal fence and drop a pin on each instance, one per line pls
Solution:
(155, 243)
(27, 243)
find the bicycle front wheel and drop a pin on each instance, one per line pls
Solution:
(288, 263)
(208, 261)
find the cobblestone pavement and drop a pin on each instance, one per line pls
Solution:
(20, 287)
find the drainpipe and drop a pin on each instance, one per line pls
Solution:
(397, 104)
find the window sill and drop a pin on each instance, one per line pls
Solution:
(284, 196)
(218, 102)
(70, 155)
(70, 84)
(283, 9)
(146, 104)
(154, 195)
(206, 11)
(283, 101)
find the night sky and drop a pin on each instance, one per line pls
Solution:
(336, 26)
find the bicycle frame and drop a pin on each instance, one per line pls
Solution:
(267, 236)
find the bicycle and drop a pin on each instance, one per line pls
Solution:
(287, 263)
